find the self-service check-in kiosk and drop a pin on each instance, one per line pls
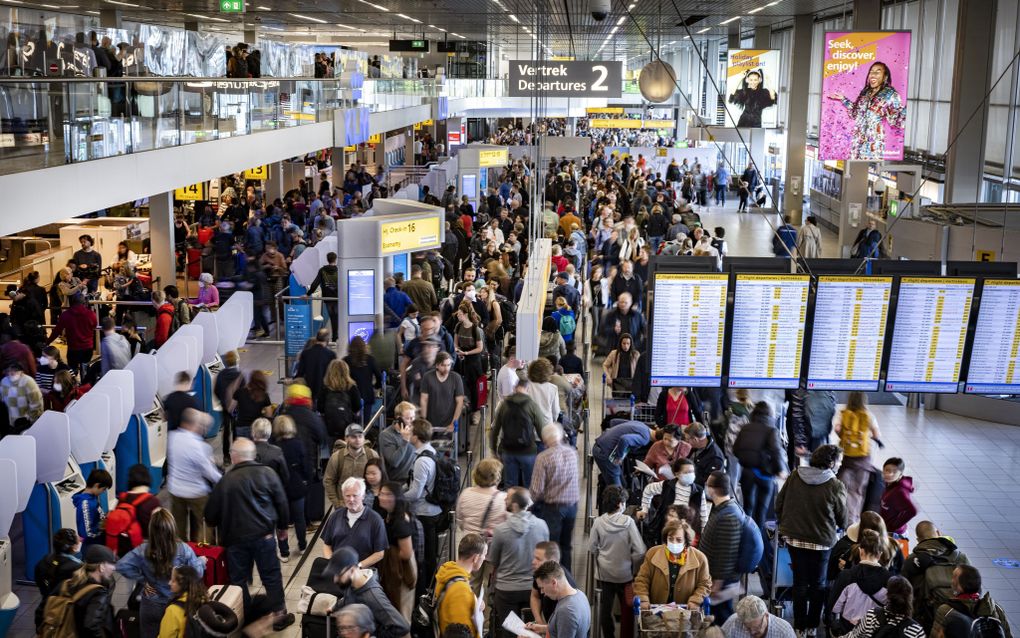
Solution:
(19, 451)
(202, 383)
(90, 435)
(58, 478)
(205, 378)
(118, 387)
(144, 439)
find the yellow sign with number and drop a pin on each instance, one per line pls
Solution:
(259, 172)
(350, 149)
(985, 255)
(192, 193)
(611, 110)
(408, 236)
(417, 126)
(427, 123)
(375, 139)
(498, 157)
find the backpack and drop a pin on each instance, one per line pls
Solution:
(885, 630)
(987, 627)
(854, 433)
(175, 323)
(58, 616)
(752, 547)
(517, 428)
(937, 587)
(123, 531)
(446, 484)
(425, 617)
(567, 324)
(337, 412)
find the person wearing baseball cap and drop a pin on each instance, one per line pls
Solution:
(361, 586)
(348, 459)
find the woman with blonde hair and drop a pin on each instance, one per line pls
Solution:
(339, 400)
(487, 295)
(674, 572)
(152, 563)
(482, 507)
(566, 319)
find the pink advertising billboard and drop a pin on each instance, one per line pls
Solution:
(864, 95)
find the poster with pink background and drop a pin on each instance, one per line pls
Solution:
(864, 95)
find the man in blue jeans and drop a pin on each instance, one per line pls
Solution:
(249, 506)
(613, 445)
(555, 486)
(516, 428)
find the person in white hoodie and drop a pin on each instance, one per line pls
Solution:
(617, 546)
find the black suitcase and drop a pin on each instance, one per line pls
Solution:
(316, 626)
(315, 501)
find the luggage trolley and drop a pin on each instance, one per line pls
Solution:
(776, 572)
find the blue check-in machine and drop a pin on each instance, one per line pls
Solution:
(19, 451)
(9, 602)
(119, 387)
(58, 478)
(202, 381)
(90, 435)
(205, 378)
(144, 439)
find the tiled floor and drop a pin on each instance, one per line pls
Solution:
(962, 468)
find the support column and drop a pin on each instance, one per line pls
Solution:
(867, 17)
(972, 77)
(338, 167)
(274, 185)
(733, 35)
(763, 37)
(796, 122)
(161, 234)
(409, 147)
(712, 89)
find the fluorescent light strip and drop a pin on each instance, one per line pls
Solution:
(261, 8)
(203, 17)
(756, 10)
(730, 20)
(407, 17)
(309, 18)
(705, 30)
(373, 5)
(123, 4)
(344, 26)
(514, 18)
(620, 21)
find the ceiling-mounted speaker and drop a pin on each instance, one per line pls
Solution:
(657, 81)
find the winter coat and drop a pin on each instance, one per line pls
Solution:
(692, 585)
(812, 506)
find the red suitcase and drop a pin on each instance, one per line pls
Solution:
(204, 235)
(194, 263)
(215, 564)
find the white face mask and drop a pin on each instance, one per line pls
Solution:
(57, 387)
(201, 284)
(675, 548)
(44, 361)
(686, 479)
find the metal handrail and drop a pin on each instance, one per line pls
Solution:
(379, 416)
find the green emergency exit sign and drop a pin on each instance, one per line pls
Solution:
(418, 44)
(231, 6)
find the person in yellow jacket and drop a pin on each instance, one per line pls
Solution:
(856, 427)
(188, 592)
(457, 602)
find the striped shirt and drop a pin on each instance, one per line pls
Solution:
(554, 479)
(872, 623)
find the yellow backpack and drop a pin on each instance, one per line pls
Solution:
(854, 433)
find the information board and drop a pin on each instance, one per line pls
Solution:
(848, 333)
(995, 356)
(409, 236)
(688, 329)
(769, 314)
(360, 292)
(929, 334)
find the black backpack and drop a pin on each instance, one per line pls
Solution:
(508, 309)
(446, 485)
(337, 412)
(517, 428)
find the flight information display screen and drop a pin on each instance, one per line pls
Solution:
(848, 333)
(929, 334)
(767, 343)
(688, 329)
(995, 356)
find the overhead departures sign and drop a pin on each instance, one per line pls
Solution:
(593, 78)
(929, 334)
(408, 236)
(688, 329)
(995, 356)
(192, 193)
(769, 313)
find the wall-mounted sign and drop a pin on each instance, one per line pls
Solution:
(375, 138)
(610, 110)
(259, 172)
(496, 157)
(192, 193)
(593, 78)
(630, 123)
(417, 46)
(409, 236)
(350, 149)
(453, 137)
(752, 80)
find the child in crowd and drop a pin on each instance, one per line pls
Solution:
(898, 506)
(89, 515)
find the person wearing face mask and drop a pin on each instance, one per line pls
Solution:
(679, 490)
(666, 451)
(50, 364)
(674, 572)
(208, 295)
(91, 589)
(617, 546)
(22, 396)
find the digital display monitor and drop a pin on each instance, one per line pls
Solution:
(995, 356)
(769, 313)
(688, 329)
(401, 265)
(363, 329)
(469, 185)
(848, 333)
(360, 292)
(929, 334)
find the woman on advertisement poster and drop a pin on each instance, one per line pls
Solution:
(752, 97)
(878, 101)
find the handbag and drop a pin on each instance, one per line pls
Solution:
(315, 602)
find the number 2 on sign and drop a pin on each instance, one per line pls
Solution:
(600, 84)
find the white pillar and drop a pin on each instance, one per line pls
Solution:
(161, 235)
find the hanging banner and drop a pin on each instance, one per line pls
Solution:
(864, 95)
(752, 84)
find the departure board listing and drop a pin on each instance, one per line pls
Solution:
(768, 331)
(688, 329)
(995, 356)
(929, 334)
(848, 333)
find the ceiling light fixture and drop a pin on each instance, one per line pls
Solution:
(309, 18)
(730, 20)
(705, 30)
(772, 4)
(620, 21)
(407, 17)
(261, 8)
(204, 17)
(514, 18)
(123, 4)
(344, 26)
(756, 10)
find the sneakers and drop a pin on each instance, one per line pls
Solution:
(284, 558)
(283, 621)
(810, 633)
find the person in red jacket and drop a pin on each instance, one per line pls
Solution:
(77, 324)
(164, 318)
(897, 503)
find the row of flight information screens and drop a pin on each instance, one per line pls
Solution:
(848, 336)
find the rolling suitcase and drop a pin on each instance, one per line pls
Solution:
(215, 563)
(232, 596)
